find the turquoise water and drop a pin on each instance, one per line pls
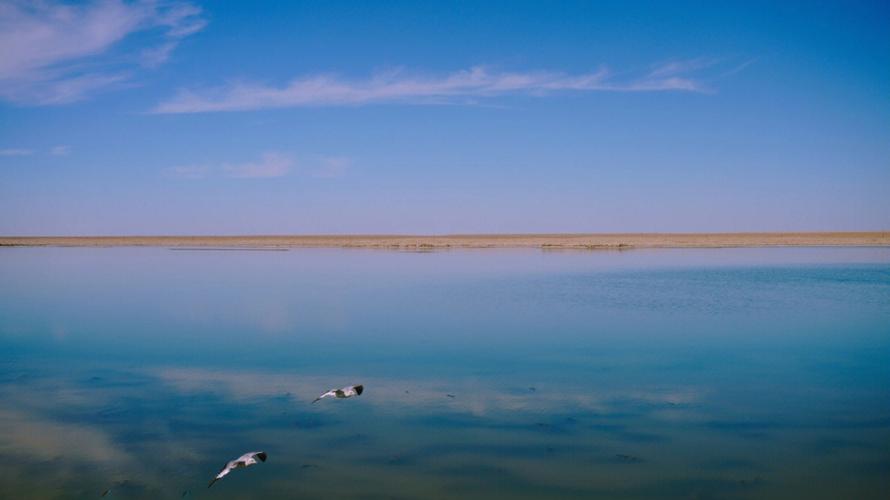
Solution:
(732, 373)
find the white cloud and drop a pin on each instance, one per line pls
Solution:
(398, 87)
(188, 172)
(331, 166)
(153, 57)
(35, 437)
(15, 152)
(53, 51)
(60, 150)
(270, 165)
(426, 393)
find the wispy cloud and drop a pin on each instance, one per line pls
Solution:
(153, 57)
(47, 439)
(270, 165)
(400, 87)
(187, 172)
(60, 150)
(56, 52)
(15, 152)
(331, 166)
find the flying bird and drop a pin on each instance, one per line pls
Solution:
(245, 460)
(346, 392)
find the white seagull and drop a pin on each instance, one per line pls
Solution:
(346, 392)
(245, 460)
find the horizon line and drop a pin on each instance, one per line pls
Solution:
(544, 241)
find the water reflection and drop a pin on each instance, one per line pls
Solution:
(719, 374)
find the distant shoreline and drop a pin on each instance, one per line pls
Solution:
(593, 241)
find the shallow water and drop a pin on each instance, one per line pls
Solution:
(731, 373)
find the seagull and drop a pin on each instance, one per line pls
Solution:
(346, 392)
(245, 460)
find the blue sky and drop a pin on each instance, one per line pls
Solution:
(447, 117)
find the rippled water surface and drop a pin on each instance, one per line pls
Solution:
(732, 373)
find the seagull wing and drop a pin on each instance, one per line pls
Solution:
(222, 473)
(325, 395)
(251, 458)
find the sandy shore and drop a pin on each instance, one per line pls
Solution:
(542, 241)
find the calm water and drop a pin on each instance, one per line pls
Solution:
(737, 373)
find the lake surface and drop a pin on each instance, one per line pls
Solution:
(731, 373)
